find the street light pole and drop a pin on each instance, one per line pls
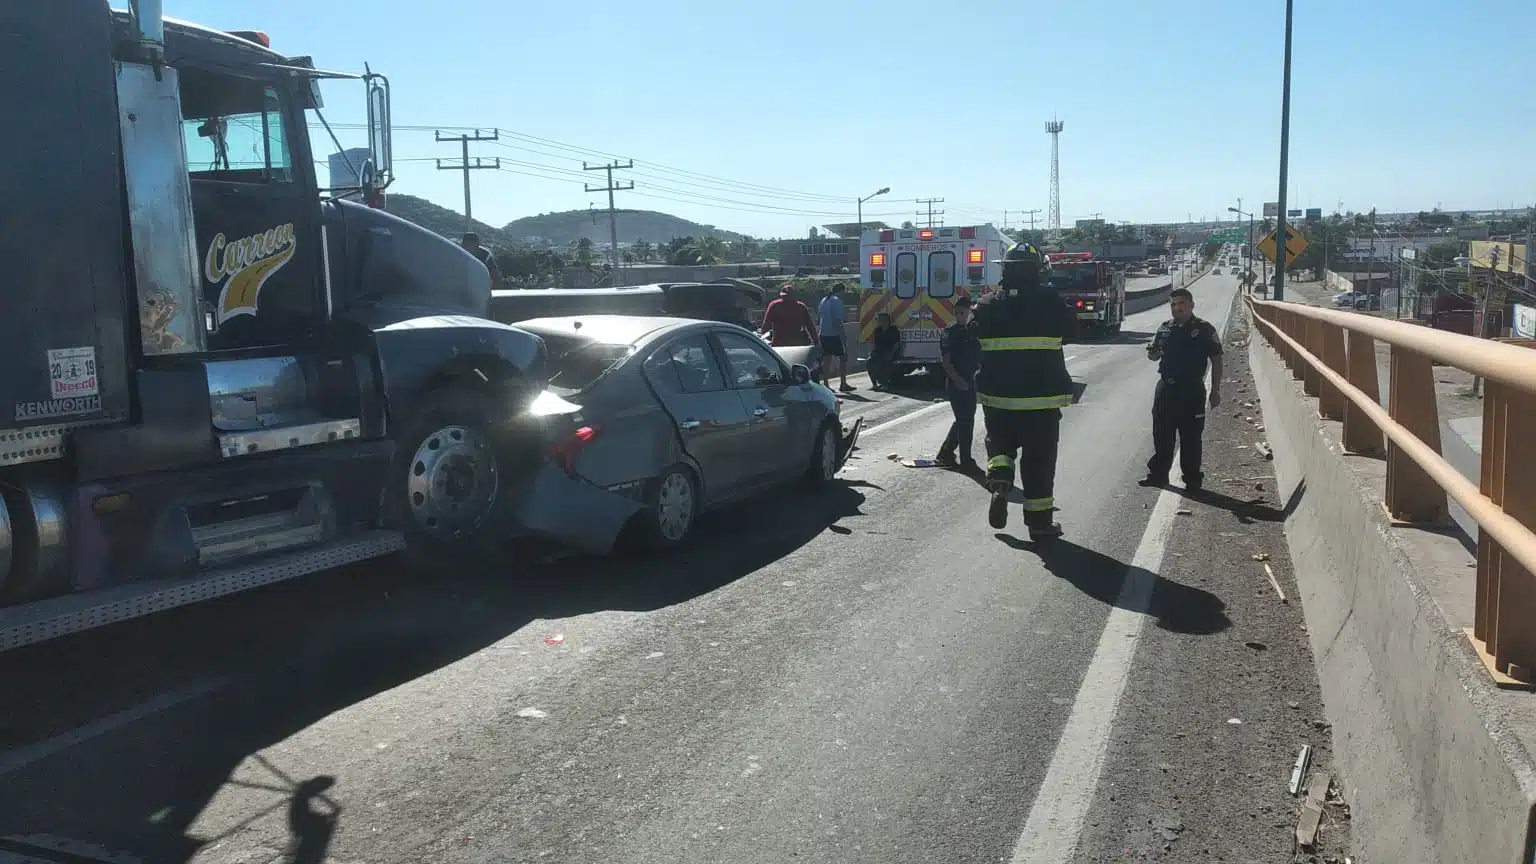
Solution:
(1281, 234)
(882, 191)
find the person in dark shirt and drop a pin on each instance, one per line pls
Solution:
(882, 357)
(788, 321)
(960, 351)
(471, 244)
(1182, 347)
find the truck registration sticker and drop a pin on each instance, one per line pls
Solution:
(72, 372)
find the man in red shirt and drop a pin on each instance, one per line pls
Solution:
(789, 321)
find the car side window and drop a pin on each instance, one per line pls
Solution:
(686, 365)
(752, 364)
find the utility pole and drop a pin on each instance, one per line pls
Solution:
(613, 218)
(1282, 235)
(1493, 274)
(1029, 213)
(466, 166)
(931, 212)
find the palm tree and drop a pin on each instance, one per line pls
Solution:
(584, 252)
(712, 250)
(641, 250)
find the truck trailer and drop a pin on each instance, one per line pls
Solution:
(217, 373)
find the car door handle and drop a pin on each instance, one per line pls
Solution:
(759, 411)
(689, 424)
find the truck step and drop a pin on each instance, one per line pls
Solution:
(224, 542)
(60, 616)
(253, 441)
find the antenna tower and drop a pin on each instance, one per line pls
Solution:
(1053, 216)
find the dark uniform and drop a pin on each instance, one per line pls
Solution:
(958, 343)
(1178, 408)
(1022, 387)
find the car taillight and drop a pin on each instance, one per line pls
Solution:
(1079, 304)
(565, 452)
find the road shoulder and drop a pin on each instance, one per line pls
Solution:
(1223, 694)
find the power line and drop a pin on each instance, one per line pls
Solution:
(610, 188)
(466, 166)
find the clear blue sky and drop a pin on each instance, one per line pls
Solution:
(1171, 108)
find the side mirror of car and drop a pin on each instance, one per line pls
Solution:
(800, 373)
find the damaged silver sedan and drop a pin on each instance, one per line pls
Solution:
(660, 419)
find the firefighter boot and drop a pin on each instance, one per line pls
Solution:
(999, 484)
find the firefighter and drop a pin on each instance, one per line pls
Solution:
(1022, 387)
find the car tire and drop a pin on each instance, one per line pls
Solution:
(448, 480)
(671, 508)
(823, 466)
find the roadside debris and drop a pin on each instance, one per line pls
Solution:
(1299, 770)
(1263, 450)
(1275, 584)
(1183, 512)
(1261, 556)
(919, 463)
(1312, 811)
(532, 714)
(553, 640)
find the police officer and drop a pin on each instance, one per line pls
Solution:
(1022, 387)
(1182, 347)
(960, 352)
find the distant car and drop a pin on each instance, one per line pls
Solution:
(683, 415)
(1215, 271)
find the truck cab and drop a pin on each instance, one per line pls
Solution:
(218, 373)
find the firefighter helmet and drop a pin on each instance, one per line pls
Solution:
(1022, 265)
(1022, 253)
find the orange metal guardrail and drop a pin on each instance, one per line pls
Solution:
(1334, 355)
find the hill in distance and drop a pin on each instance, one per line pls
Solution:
(558, 228)
(648, 225)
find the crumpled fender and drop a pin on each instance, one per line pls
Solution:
(571, 511)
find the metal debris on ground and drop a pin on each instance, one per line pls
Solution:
(919, 463)
(531, 714)
(1299, 770)
(556, 639)
(1182, 512)
(1261, 556)
(1264, 450)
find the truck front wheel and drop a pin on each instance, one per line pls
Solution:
(449, 473)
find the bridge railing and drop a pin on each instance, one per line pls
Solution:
(1333, 354)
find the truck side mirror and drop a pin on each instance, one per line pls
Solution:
(380, 147)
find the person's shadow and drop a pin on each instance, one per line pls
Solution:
(1178, 608)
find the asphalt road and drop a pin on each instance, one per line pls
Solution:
(867, 674)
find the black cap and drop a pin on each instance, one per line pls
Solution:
(963, 303)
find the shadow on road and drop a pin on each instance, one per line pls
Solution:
(296, 652)
(1178, 608)
(1252, 509)
(1124, 337)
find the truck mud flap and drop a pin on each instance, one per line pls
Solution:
(849, 440)
(573, 512)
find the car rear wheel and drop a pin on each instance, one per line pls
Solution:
(672, 508)
(823, 468)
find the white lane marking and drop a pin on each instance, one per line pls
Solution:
(929, 409)
(20, 757)
(1055, 820)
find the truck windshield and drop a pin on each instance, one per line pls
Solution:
(576, 364)
(1071, 278)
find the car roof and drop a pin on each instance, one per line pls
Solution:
(609, 329)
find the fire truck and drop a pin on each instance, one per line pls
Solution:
(218, 373)
(1091, 286)
(916, 274)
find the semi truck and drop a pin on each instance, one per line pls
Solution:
(1091, 287)
(218, 373)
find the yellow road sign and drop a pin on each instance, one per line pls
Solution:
(1295, 244)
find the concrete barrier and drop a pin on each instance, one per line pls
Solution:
(1146, 298)
(1436, 760)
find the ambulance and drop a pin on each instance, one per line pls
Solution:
(917, 274)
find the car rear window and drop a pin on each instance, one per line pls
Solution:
(575, 365)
